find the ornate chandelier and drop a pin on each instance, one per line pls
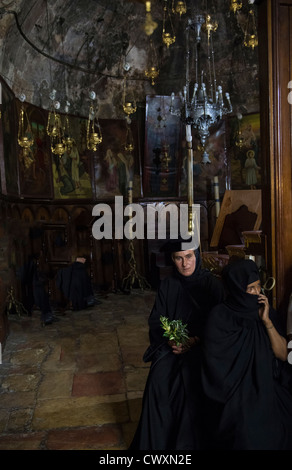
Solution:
(205, 105)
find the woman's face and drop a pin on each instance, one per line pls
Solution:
(254, 288)
(185, 262)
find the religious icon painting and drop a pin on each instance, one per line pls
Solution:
(162, 148)
(35, 172)
(208, 163)
(72, 170)
(117, 160)
(8, 143)
(244, 152)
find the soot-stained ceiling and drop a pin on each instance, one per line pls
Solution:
(75, 46)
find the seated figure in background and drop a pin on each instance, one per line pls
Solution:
(74, 282)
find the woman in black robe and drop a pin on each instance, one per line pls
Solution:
(171, 417)
(243, 368)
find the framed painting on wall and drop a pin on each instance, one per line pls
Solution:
(35, 169)
(206, 165)
(72, 171)
(117, 160)
(162, 156)
(8, 151)
(244, 152)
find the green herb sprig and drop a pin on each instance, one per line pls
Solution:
(174, 330)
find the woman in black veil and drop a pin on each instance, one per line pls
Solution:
(244, 368)
(171, 417)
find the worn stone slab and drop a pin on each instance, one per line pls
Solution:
(96, 362)
(135, 407)
(101, 343)
(19, 420)
(4, 416)
(29, 356)
(90, 438)
(136, 378)
(84, 411)
(21, 383)
(100, 383)
(21, 441)
(56, 385)
(133, 355)
(11, 400)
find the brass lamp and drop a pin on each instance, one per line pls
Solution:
(168, 38)
(93, 134)
(235, 5)
(209, 26)
(129, 107)
(55, 131)
(149, 25)
(250, 33)
(129, 144)
(24, 137)
(67, 139)
(180, 8)
(152, 72)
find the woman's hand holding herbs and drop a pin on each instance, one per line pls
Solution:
(182, 348)
(177, 335)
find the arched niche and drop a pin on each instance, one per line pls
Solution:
(60, 216)
(16, 214)
(27, 215)
(43, 214)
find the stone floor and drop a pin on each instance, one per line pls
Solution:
(76, 384)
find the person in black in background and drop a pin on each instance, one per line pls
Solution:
(245, 372)
(171, 417)
(35, 278)
(75, 284)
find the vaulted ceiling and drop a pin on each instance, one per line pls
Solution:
(75, 46)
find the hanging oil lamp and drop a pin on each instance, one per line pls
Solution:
(93, 131)
(25, 137)
(235, 5)
(168, 38)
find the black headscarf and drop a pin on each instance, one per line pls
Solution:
(237, 276)
(197, 275)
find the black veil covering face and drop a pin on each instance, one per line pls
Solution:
(237, 276)
(249, 407)
(171, 414)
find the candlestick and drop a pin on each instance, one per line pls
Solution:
(216, 193)
(190, 163)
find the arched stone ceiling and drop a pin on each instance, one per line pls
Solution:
(74, 46)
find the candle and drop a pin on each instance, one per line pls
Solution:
(216, 192)
(130, 191)
(172, 100)
(188, 133)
